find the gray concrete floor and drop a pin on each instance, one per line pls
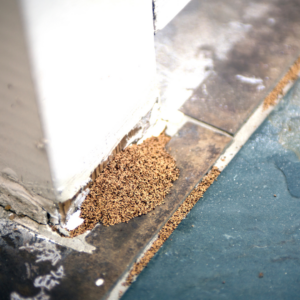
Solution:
(247, 223)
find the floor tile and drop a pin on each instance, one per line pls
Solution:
(242, 79)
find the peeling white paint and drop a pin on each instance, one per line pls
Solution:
(74, 221)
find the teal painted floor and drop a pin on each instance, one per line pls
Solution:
(240, 228)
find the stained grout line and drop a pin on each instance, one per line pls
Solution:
(208, 126)
(178, 119)
(241, 137)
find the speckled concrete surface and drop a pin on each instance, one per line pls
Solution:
(247, 223)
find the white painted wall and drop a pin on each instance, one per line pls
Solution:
(93, 66)
(166, 10)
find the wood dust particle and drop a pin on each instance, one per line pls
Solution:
(260, 275)
(133, 184)
(7, 207)
(291, 75)
(173, 222)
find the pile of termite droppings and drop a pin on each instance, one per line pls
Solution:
(133, 184)
(173, 222)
